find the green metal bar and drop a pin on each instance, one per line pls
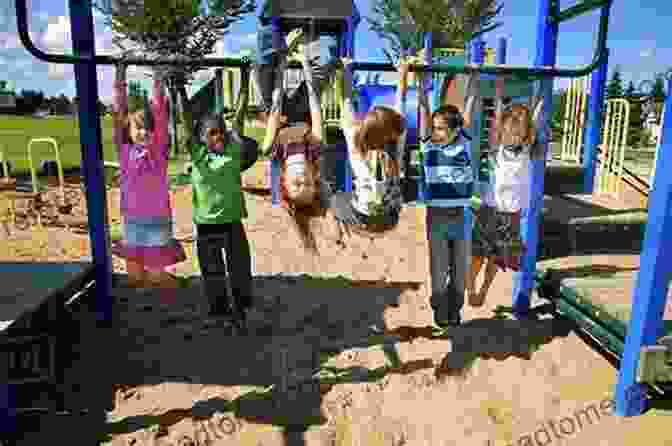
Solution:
(603, 318)
(580, 9)
(605, 337)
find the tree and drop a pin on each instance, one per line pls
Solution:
(135, 96)
(186, 31)
(658, 90)
(29, 101)
(402, 23)
(614, 88)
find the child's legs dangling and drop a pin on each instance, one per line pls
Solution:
(476, 265)
(239, 263)
(137, 274)
(447, 262)
(489, 277)
(211, 241)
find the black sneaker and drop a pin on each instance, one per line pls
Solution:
(447, 320)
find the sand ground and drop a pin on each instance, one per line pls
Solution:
(483, 384)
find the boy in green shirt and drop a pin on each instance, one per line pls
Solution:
(218, 159)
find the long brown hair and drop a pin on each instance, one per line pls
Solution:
(123, 121)
(517, 118)
(380, 126)
(302, 215)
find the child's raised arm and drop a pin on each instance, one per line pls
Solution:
(160, 137)
(423, 99)
(119, 108)
(347, 111)
(471, 92)
(499, 108)
(243, 102)
(273, 124)
(313, 98)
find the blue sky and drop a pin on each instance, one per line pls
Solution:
(635, 38)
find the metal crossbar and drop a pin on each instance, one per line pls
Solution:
(598, 57)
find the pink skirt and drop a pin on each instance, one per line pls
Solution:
(153, 257)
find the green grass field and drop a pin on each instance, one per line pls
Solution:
(16, 131)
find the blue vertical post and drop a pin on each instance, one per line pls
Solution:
(500, 54)
(349, 52)
(275, 164)
(594, 131)
(655, 272)
(86, 81)
(547, 36)
(478, 58)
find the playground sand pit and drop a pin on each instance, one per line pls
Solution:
(490, 382)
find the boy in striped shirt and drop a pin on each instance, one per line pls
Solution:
(448, 186)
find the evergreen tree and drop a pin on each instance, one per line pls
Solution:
(614, 88)
(658, 90)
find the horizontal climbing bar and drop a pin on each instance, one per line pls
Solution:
(580, 9)
(489, 69)
(22, 25)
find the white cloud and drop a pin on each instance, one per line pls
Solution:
(56, 39)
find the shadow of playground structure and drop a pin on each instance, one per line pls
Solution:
(312, 319)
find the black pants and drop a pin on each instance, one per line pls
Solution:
(217, 274)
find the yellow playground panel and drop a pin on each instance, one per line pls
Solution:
(612, 149)
(575, 112)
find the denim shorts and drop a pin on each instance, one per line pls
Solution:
(148, 234)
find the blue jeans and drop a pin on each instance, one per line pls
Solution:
(449, 257)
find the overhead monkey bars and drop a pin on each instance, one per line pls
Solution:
(599, 56)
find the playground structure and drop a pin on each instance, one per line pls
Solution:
(611, 173)
(646, 325)
(37, 207)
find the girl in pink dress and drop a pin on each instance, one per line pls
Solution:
(141, 138)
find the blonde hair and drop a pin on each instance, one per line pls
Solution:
(124, 121)
(516, 119)
(380, 126)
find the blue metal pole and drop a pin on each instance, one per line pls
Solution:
(594, 131)
(86, 81)
(349, 51)
(655, 272)
(547, 36)
(500, 55)
(477, 57)
(275, 164)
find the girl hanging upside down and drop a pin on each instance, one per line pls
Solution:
(375, 147)
(295, 140)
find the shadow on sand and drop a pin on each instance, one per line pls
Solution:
(309, 319)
